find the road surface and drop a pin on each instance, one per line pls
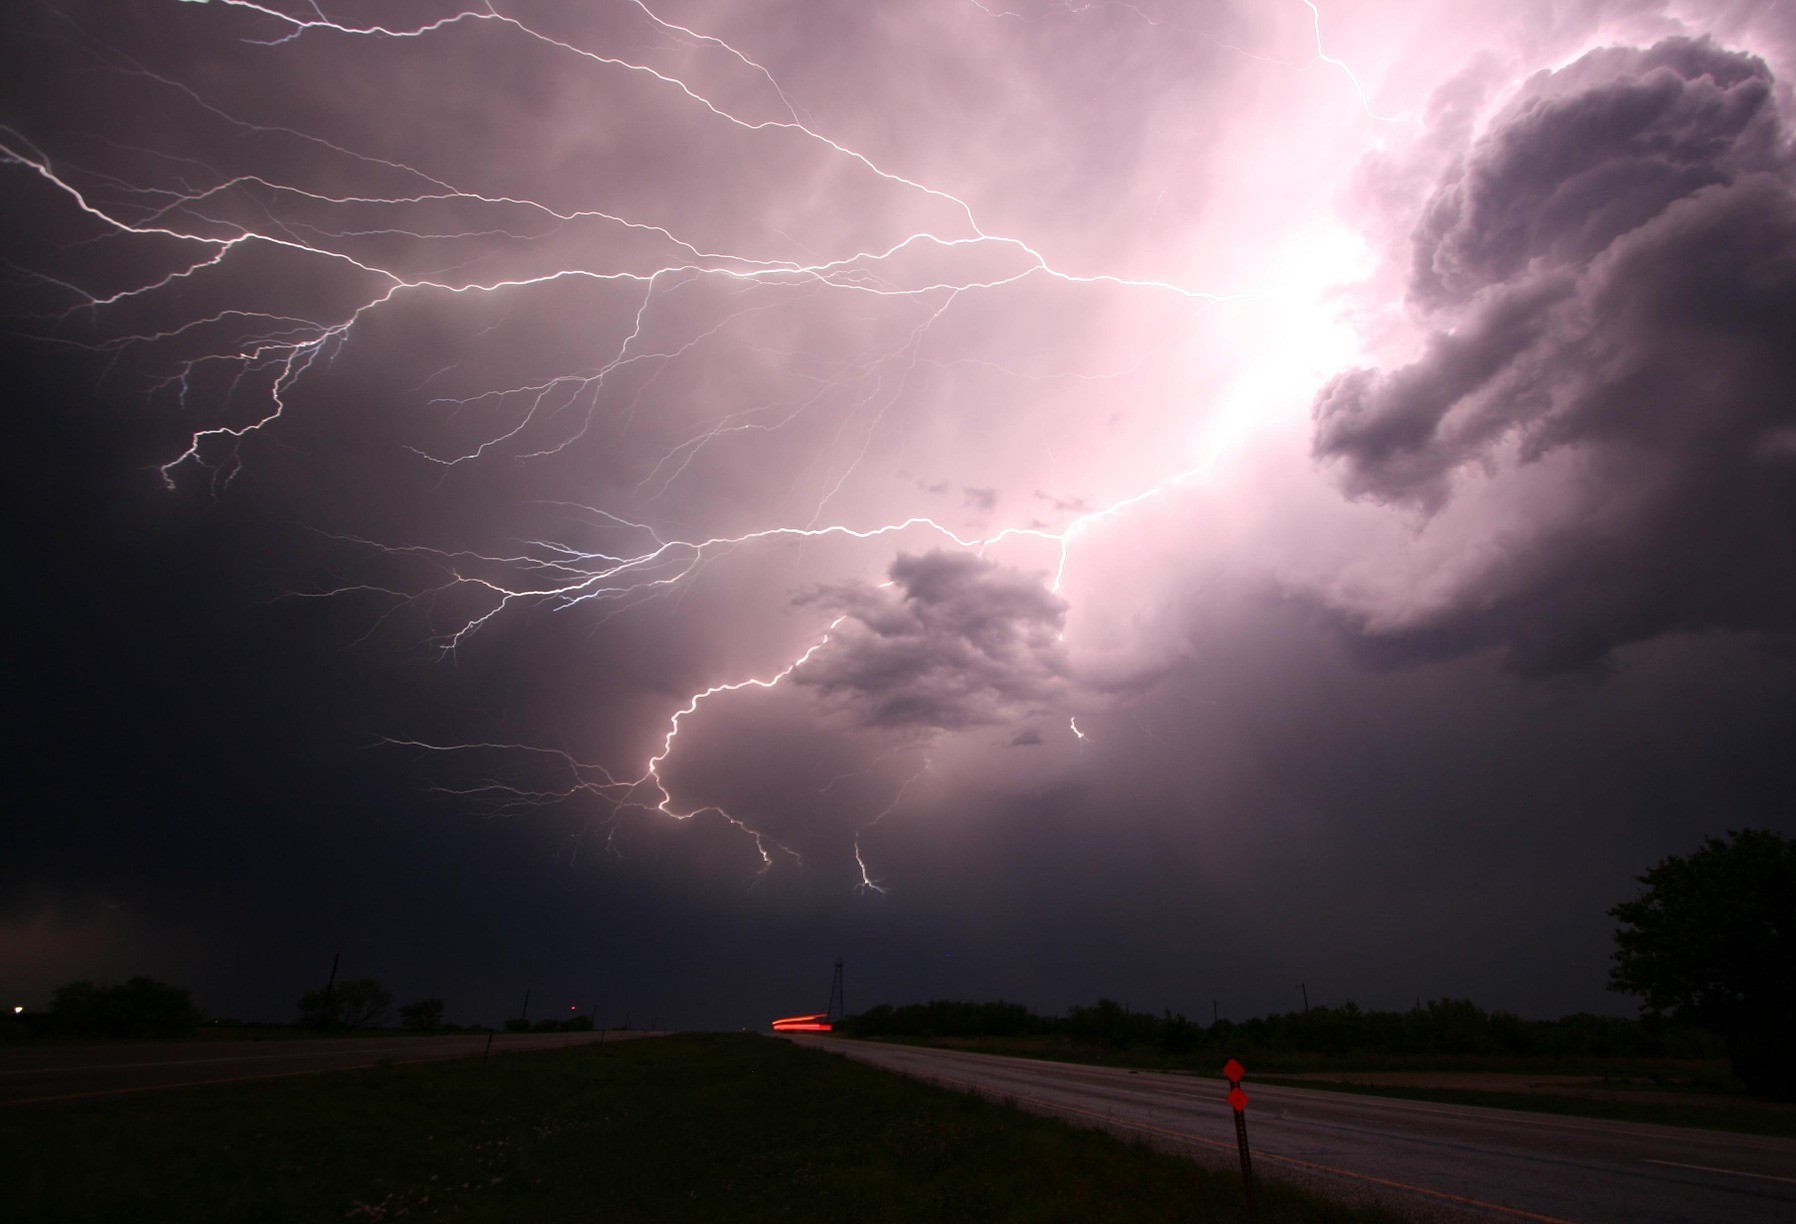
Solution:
(1423, 1160)
(50, 1073)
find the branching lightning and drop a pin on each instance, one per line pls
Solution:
(204, 218)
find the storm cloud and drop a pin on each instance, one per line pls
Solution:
(638, 500)
(952, 641)
(1609, 278)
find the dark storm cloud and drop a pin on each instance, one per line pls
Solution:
(1590, 152)
(1610, 276)
(952, 641)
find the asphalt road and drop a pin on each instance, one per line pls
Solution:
(52, 1073)
(1423, 1160)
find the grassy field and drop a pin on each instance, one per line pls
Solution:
(703, 1128)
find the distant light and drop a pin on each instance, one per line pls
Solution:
(18, 1011)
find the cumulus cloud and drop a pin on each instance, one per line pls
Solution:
(1588, 153)
(952, 641)
(1608, 277)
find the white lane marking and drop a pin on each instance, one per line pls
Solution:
(1791, 1181)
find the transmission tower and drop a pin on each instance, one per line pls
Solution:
(836, 1012)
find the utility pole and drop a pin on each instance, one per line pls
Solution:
(324, 1011)
(524, 1016)
(1306, 997)
(835, 1013)
(1212, 1012)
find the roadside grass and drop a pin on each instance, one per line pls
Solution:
(1721, 1115)
(697, 1127)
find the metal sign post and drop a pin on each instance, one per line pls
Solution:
(1233, 1071)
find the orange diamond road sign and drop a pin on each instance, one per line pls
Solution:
(1237, 1098)
(1232, 1071)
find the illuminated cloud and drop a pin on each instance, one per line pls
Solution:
(1609, 382)
(951, 642)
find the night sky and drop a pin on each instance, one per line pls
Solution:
(1038, 500)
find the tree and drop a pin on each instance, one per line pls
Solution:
(140, 1007)
(76, 1007)
(144, 1007)
(423, 1015)
(355, 1003)
(1712, 941)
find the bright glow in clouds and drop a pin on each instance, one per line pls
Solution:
(870, 384)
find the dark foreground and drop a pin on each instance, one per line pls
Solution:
(682, 1128)
(1427, 1160)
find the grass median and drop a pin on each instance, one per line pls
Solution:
(712, 1128)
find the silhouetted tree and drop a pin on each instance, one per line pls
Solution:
(1712, 941)
(355, 1003)
(139, 1007)
(1177, 1034)
(75, 1007)
(423, 1015)
(1111, 1024)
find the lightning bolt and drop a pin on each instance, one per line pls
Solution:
(868, 883)
(205, 220)
(1325, 57)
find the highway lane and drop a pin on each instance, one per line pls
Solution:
(1423, 1160)
(50, 1073)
